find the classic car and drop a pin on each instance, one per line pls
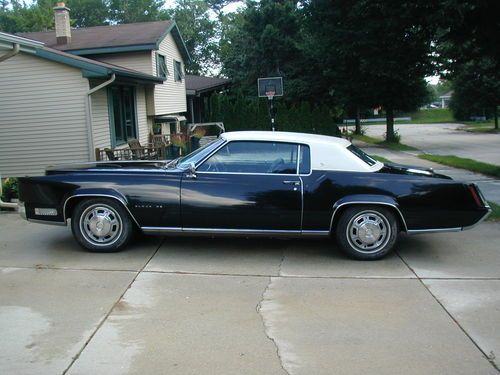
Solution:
(254, 183)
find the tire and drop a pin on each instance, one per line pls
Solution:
(101, 225)
(367, 232)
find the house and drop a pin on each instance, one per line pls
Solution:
(66, 92)
(198, 91)
(445, 99)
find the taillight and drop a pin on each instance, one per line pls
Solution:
(475, 195)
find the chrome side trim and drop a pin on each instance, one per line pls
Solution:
(97, 195)
(228, 231)
(433, 230)
(315, 233)
(60, 223)
(480, 220)
(336, 207)
(249, 174)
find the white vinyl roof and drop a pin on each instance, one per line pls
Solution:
(327, 153)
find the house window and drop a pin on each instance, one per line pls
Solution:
(122, 110)
(178, 73)
(161, 66)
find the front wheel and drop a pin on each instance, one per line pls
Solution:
(101, 225)
(367, 232)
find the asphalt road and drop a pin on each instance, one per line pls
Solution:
(446, 139)
(237, 306)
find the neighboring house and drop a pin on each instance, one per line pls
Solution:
(66, 92)
(445, 99)
(198, 91)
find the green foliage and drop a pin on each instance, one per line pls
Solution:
(464, 163)
(250, 113)
(495, 212)
(9, 189)
(476, 89)
(199, 31)
(374, 53)
(263, 40)
(128, 11)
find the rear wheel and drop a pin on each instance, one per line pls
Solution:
(367, 232)
(101, 225)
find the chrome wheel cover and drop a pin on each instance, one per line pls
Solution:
(101, 225)
(368, 232)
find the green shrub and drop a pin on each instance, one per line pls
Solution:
(9, 189)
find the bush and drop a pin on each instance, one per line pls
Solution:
(244, 113)
(9, 189)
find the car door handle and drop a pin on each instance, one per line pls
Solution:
(291, 182)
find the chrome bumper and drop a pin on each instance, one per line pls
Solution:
(22, 210)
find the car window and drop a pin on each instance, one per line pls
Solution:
(253, 157)
(362, 155)
(305, 160)
(199, 154)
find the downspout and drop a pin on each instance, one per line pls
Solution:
(10, 54)
(88, 109)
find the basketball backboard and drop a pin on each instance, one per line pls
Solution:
(270, 87)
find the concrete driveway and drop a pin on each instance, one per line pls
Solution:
(446, 139)
(236, 306)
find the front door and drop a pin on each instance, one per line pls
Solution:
(245, 186)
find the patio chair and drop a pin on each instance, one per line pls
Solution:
(140, 152)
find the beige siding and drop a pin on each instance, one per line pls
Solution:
(140, 61)
(142, 121)
(169, 97)
(100, 119)
(42, 115)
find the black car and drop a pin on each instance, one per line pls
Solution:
(254, 183)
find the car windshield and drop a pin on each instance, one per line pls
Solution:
(362, 155)
(197, 155)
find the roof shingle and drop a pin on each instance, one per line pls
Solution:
(130, 34)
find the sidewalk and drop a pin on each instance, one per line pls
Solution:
(489, 186)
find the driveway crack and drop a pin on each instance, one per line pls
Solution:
(266, 324)
(103, 320)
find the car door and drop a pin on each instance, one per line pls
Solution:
(244, 186)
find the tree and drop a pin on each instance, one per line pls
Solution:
(86, 13)
(377, 52)
(200, 34)
(476, 90)
(470, 53)
(263, 40)
(129, 11)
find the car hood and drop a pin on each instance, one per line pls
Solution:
(107, 166)
(411, 170)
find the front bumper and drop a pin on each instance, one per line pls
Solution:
(22, 210)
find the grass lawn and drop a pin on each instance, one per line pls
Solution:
(381, 158)
(381, 142)
(429, 116)
(480, 127)
(495, 213)
(469, 164)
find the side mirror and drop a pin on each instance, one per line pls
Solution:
(192, 170)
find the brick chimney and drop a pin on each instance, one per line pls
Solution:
(63, 29)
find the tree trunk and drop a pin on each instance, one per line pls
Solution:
(389, 137)
(358, 121)
(495, 111)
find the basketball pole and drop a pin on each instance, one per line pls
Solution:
(272, 112)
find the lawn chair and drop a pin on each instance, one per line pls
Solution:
(140, 152)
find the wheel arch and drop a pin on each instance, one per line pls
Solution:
(82, 194)
(373, 200)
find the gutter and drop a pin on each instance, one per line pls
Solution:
(88, 109)
(8, 55)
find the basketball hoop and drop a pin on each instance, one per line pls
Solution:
(270, 94)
